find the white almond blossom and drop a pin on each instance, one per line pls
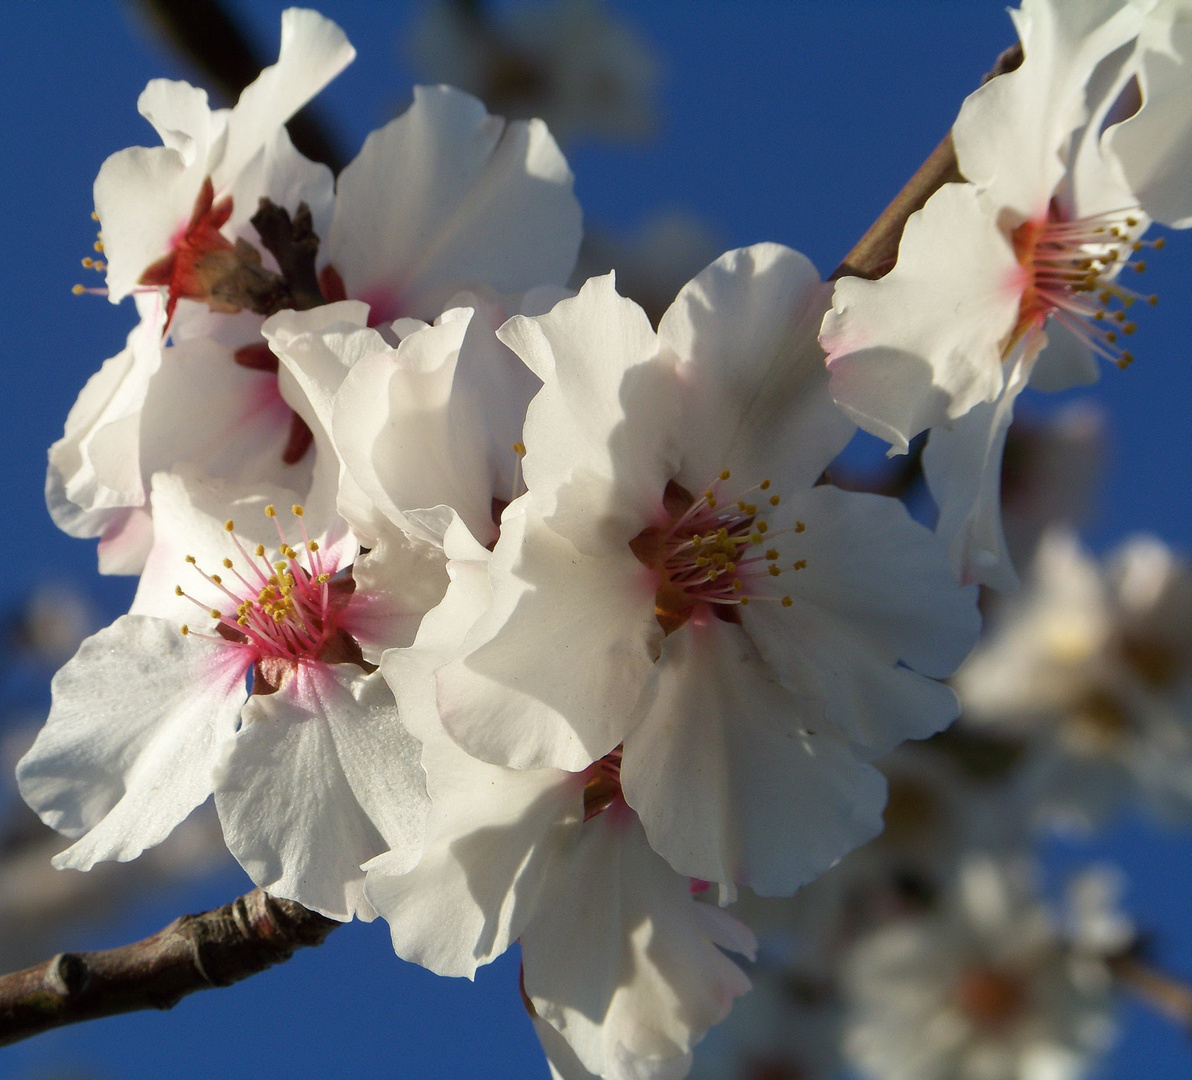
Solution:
(618, 957)
(269, 696)
(163, 210)
(1092, 666)
(1009, 279)
(481, 205)
(991, 987)
(636, 599)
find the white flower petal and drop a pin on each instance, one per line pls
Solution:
(869, 567)
(736, 779)
(1154, 146)
(619, 959)
(923, 344)
(755, 390)
(478, 201)
(1011, 133)
(136, 727)
(551, 672)
(600, 434)
(313, 51)
(963, 467)
(321, 778)
(492, 833)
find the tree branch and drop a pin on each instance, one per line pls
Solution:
(195, 952)
(1163, 992)
(876, 252)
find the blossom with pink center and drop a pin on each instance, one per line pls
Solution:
(622, 965)
(168, 212)
(1013, 277)
(268, 697)
(992, 984)
(673, 580)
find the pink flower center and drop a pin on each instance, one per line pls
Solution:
(279, 613)
(1071, 274)
(708, 553)
(991, 999)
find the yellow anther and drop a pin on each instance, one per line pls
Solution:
(799, 526)
(737, 586)
(750, 508)
(78, 290)
(1119, 316)
(270, 511)
(94, 216)
(1159, 244)
(88, 262)
(725, 475)
(98, 245)
(1131, 222)
(744, 601)
(1098, 315)
(800, 565)
(216, 579)
(1110, 336)
(711, 502)
(322, 579)
(774, 571)
(215, 613)
(178, 591)
(702, 560)
(1129, 328)
(763, 526)
(190, 559)
(519, 448)
(775, 500)
(242, 621)
(227, 564)
(259, 551)
(229, 525)
(787, 601)
(185, 629)
(1152, 300)
(312, 545)
(297, 510)
(756, 538)
(741, 505)
(764, 485)
(772, 554)
(1139, 266)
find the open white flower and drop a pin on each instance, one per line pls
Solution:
(673, 580)
(619, 958)
(275, 706)
(479, 205)
(1092, 666)
(989, 987)
(166, 211)
(1011, 278)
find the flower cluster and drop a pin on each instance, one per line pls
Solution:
(488, 604)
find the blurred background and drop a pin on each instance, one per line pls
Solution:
(692, 126)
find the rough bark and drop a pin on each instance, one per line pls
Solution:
(195, 952)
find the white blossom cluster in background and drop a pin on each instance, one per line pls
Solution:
(483, 600)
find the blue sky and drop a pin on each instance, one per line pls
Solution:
(793, 122)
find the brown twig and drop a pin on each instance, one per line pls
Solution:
(1165, 993)
(877, 251)
(195, 952)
